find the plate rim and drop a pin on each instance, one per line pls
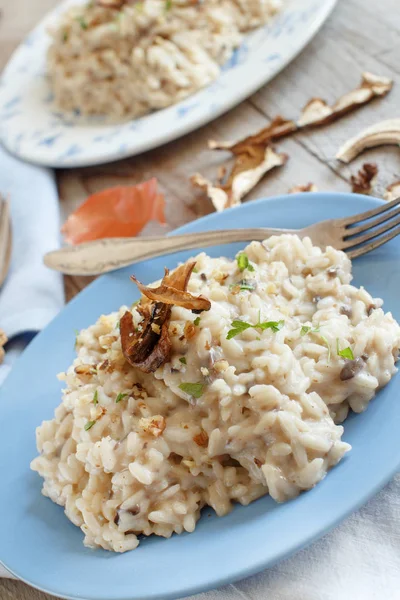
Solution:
(294, 547)
(34, 156)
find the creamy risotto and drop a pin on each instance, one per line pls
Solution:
(248, 402)
(127, 58)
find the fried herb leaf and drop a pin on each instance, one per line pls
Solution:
(195, 390)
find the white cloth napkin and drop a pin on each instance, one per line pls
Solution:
(32, 294)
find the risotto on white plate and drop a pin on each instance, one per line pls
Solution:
(166, 410)
(126, 58)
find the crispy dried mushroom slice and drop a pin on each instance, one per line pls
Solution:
(381, 134)
(363, 182)
(279, 127)
(317, 112)
(111, 3)
(392, 191)
(307, 187)
(247, 171)
(148, 346)
(170, 295)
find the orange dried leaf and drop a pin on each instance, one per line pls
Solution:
(120, 211)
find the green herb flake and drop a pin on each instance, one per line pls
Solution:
(243, 285)
(96, 398)
(120, 397)
(65, 36)
(89, 425)
(240, 326)
(168, 5)
(195, 390)
(346, 353)
(274, 325)
(183, 360)
(82, 22)
(243, 262)
(195, 270)
(196, 321)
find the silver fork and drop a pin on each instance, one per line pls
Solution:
(5, 239)
(356, 235)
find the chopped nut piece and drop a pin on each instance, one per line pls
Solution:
(85, 370)
(392, 191)
(362, 183)
(381, 134)
(153, 425)
(247, 171)
(308, 187)
(201, 439)
(190, 330)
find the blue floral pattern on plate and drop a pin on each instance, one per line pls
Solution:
(32, 128)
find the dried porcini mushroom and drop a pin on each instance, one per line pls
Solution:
(3, 341)
(317, 112)
(392, 191)
(170, 295)
(308, 187)
(248, 169)
(381, 134)
(148, 346)
(351, 368)
(362, 183)
(254, 156)
(111, 3)
(279, 127)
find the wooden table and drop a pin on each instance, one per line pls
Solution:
(359, 36)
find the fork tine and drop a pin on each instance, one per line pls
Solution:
(374, 244)
(386, 216)
(371, 234)
(370, 213)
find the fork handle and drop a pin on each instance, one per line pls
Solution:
(102, 256)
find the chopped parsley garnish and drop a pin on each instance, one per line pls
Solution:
(120, 397)
(307, 329)
(243, 262)
(65, 36)
(89, 425)
(82, 22)
(192, 389)
(346, 353)
(183, 360)
(95, 398)
(243, 285)
(240, 326)
(168, 4)
(195, 270)
(196, 321)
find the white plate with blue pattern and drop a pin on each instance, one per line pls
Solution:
(32, 128)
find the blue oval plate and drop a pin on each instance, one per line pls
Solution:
(38, 543)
